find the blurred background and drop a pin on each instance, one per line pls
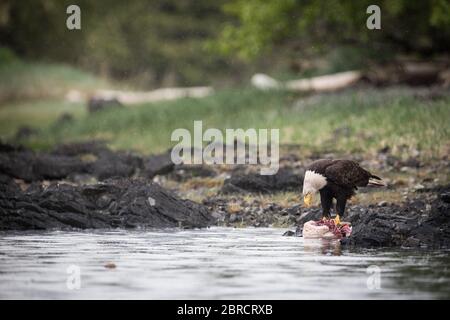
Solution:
(54, 81)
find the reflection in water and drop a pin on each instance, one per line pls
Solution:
(322, 246)
(216, 263)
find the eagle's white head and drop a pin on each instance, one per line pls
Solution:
(312, 183)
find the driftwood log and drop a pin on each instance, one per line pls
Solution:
(121, 97)
(330, 82)
(401, 72)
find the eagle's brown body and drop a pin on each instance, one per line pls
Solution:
(343, 177)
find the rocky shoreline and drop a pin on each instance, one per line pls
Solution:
(87, 185)
(121, 203)
(415, 223)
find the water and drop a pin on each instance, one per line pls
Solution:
(216, 263)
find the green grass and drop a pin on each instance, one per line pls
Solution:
(370, 119)
(36, 114)
(21, 80)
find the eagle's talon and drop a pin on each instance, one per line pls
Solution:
(337, 220)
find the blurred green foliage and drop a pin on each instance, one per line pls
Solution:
(418, 27)
(158, 42)
(197, 42)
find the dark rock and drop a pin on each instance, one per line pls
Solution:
(115, 164)
(290, 157)
(158, 165)
(77, 149)
(405, 225)
(434, 230)
(21, 163)
(34, 187)
(439, 189)
(378, 228)
(47, 166)
(384, 150)
(107, 164)
(70, 160)
(311, 214)
(5, 179)
(98, 104)
(17, 163)
(393, 161)
(5, 148)
(219, 216)
(284, 180)
(116, 203)
(25, 132)
(293, 211)
(412, 163)
(445, 197)
(233, 218)
(289, 233)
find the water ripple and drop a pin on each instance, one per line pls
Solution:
(215, 263)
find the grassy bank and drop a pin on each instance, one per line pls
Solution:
(22, 80)
(40, 113)
(361, 120)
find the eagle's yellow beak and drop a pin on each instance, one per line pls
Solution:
(308, 199)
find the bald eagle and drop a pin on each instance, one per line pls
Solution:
(338, 179)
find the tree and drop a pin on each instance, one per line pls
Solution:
(420, 27)
(160, 42)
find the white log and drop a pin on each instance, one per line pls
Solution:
(329, 82)
(134, 97)
(264, 82)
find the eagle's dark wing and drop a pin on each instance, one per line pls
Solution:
(319, 166)
(347, 173)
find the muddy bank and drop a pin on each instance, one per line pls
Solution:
(116, 203)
